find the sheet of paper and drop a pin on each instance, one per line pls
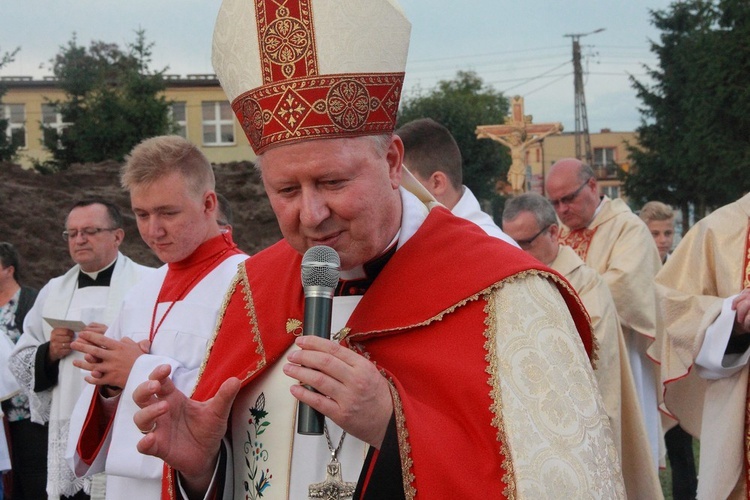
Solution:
(74, 325)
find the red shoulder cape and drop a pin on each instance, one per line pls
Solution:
(447, 261)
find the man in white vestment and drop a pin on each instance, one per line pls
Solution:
(614, 242)
(83, 301)
(659, 218)
(531, 221)
(432, 155)
(320, 115)
(704, 291)
(167, 318)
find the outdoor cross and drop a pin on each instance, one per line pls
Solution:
(517, 133)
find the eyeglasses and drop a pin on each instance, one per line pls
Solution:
(527, 242)
(567, 200)
(86, 231)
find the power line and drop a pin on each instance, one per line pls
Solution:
(537, 76)
(547, 84)
(502, 52)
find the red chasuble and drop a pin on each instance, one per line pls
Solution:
(181, 278)
(445, 273)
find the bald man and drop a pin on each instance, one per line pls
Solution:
(611, 239)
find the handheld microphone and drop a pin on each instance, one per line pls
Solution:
(320, 275)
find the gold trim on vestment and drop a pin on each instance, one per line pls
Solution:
(219, 320)
(253, 316)
(407, 477)
(490, 289)
(490, 333)
(170, 482)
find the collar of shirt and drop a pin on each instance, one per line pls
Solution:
(97, 278)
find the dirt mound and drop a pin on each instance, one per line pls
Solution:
(33, 209)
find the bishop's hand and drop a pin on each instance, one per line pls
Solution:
(185, 433)
(351, 390)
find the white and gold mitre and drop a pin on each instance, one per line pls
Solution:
(306, 69)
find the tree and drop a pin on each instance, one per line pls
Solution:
(8, 146)
(460, 105)
(113, 101)
(695, 118)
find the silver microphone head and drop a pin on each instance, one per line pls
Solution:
(321, 267)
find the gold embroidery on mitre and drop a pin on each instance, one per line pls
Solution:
(286, 39)
(348, 104)
(342, 105)
(490, 333)
(250, 116)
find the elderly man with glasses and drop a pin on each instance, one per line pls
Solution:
(617, 244)
(531, 221)
(86, 298)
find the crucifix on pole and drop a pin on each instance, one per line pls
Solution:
(517, 133)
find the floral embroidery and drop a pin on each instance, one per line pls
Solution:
(255, 453)
(294, 326)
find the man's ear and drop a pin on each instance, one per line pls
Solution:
(119, 235)
(439, 183)
(210, 202)
(395, 158)
(554, 231)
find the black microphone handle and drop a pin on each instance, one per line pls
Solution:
(318, 323)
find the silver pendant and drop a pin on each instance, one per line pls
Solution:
(334, 487)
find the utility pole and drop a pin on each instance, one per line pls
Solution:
(583, 152)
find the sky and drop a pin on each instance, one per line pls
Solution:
(516, 47)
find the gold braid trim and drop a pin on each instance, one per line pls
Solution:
(407, 477)
(346, 333)
(170, 482)
(490, 333)
(219, 319)
(253, 317)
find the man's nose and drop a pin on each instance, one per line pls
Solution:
(314, 209)
(154, 227)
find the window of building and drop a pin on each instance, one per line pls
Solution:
(178, 115)
(52, 120)
(218, 123)
(605, 163)
(611, 191)
(16, 116)
(605, 156)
